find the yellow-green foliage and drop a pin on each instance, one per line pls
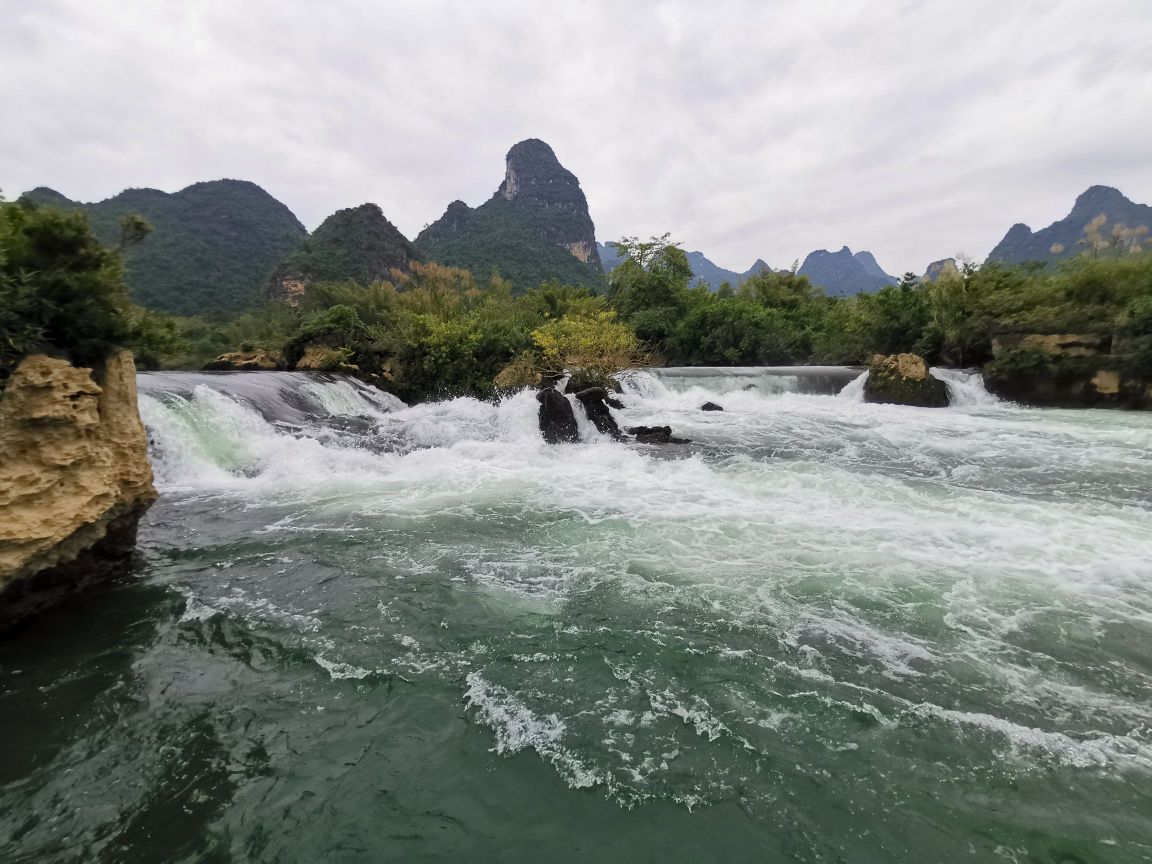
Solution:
(597, 345)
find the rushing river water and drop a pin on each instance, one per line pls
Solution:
(825, 631)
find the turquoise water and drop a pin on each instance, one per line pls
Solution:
(824, 631)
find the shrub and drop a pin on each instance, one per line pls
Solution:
(594, 347)
(61, 291)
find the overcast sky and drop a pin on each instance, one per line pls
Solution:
(916, 129)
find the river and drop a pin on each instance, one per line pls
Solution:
(824, 631)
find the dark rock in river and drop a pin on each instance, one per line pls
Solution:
(557, 420)
(711, 406)
(903, 379)
(655, 435)
(583, 379)
(596, 402)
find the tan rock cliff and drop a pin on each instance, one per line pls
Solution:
(74, 477)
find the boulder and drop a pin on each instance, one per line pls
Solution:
(711, 406)
(557, 420)
(247, 361)
(74, 478)
(655, 435)
(584, 379)
(322, 358)
(1090, 383)
(518, 374)
(903, 379)
(596, 402)
(1054, 344)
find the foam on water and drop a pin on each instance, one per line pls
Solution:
(811, 572)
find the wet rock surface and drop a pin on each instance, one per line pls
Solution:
(904, 379)
(557, 420)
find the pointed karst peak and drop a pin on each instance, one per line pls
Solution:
(532, 153)
(1098, 197)
(530, 167)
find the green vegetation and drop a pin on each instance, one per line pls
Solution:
(433, 330)
(437, 331)
(356, 244)
(62, 291)
(500, 238)
(213, 246)
(528, 232)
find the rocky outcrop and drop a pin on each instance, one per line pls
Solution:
(711, 406)
(903, 379)
(596, 402)
(74, 478)
(247, 361)
(536, 226)
(1072, 370)
(557, 420)
(943, 267)
(1053, 344)
(323, 358)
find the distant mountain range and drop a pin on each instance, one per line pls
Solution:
(213, 246)
(839, 274)
(226, 245)
(843, 274)
(1100, 215)
(703, 269)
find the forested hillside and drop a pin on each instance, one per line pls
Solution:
(213, 246)
(356, 244)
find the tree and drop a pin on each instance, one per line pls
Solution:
(62, 291)
(593, 348)
(732, 332)
(133, 229)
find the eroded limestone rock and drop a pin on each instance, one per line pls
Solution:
(904, 379)
(247, 361)
(74, 477)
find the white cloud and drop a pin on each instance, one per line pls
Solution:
(747, 129)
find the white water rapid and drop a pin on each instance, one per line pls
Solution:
(907, 598)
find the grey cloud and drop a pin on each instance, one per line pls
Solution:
(747, 129)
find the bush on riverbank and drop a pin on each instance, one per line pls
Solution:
(62, 292)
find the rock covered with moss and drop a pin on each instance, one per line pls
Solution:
(903, 379)
(1074, 370)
